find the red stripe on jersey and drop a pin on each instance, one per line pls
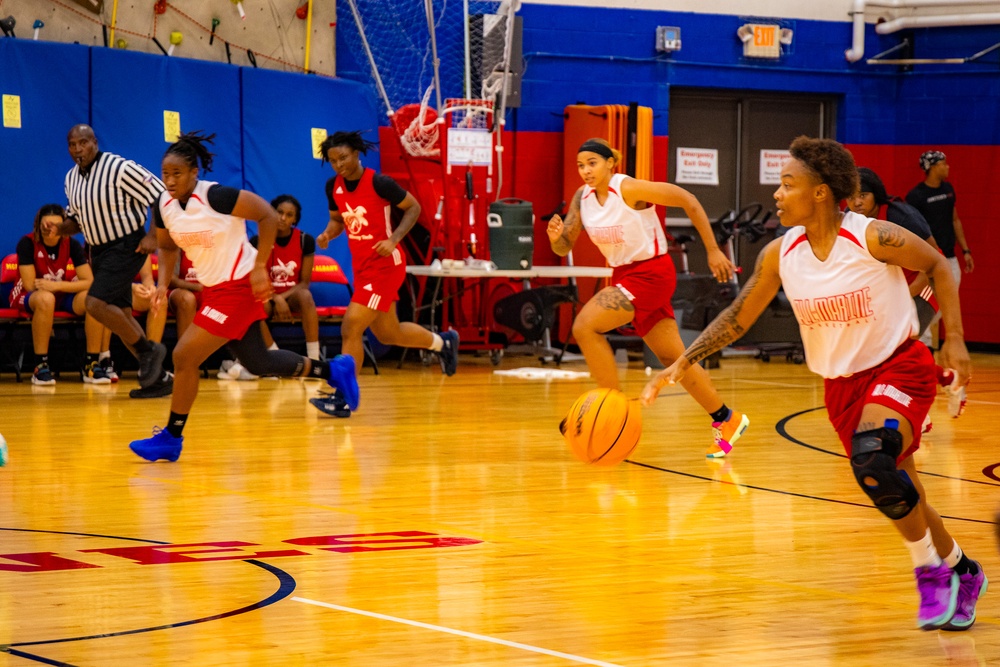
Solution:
(849, 236)
(194, 196)
(232, 273)
(797, 241)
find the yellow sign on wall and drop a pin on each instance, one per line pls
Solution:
(318, 137)
(171, 126)
(12, 111)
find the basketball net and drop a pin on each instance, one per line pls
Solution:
(417, 127)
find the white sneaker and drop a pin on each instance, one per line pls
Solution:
(227, 366)
(956, 396)
(237, 372)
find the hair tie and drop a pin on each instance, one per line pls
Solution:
(591, 146)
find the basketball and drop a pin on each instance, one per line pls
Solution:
(603, 427)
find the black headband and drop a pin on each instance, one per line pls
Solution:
(596, 147)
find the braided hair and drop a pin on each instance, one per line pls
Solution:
(352, 140)
(190, 147)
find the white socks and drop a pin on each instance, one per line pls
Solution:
(923, 553)
(437, 344)
(274, 346)
(104, 355)
(955, 555)
(312, 349)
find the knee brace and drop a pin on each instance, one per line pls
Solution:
(873, 459)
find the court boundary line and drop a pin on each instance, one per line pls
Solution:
(286, 587)
(460, 633)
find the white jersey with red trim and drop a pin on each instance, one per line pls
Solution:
(623, 234)
(853, 310)
(216, 243)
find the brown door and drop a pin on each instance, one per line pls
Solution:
(739, 125)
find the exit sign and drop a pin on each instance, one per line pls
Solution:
(763, 42)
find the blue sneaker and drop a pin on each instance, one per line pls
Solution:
(449, 352)
(344, 379)
(331, 404)
(161, 446)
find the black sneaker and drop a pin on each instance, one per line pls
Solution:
(449, 352)
(164, 387)
(42, 375)
(94, 373)
(331, 404)
(151, 365)
(109, 367)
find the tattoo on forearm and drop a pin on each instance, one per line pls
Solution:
(612, 299)
(890, 235)
(725, 328)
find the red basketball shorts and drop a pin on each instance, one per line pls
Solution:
(228, 309)
(649, 285)
(905, 382)
(377, 287)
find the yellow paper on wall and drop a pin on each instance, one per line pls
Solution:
(171, 126)
(12, 111)
(318, 137)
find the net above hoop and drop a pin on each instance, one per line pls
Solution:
(417, 127)
(468, 113)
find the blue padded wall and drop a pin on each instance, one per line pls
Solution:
(51, 81)
(279, 113)
(130, 123)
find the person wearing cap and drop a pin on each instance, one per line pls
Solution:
(935, 199)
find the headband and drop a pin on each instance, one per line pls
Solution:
(591, 146)
(930, 158)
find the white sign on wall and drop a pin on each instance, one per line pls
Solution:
(470, 146)
(698, 166)
(771, 163)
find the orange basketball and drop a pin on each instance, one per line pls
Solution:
(603, 427)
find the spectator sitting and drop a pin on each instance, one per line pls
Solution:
(54, 276)
(290, 268)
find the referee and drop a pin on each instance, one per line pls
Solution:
(109, 198)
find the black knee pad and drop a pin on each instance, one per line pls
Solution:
(873, 459)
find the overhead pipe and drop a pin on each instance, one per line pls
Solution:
(857, 50)
(939, 21)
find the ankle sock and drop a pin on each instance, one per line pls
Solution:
(176, 423)
(722, 414)
(922, 552)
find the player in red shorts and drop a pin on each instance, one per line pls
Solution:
(361, 203)
(208, 221)
(619, 215)
(842, 273)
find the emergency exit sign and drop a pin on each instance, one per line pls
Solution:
(764, 42)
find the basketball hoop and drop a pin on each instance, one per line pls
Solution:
(417, 127)
(468, 114)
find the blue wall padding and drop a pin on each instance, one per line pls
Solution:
(52, 83)
(130, 123)
(279, 113)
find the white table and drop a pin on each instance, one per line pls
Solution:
(518, 274)
(467, 273)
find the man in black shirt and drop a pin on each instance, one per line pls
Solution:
(935, 199)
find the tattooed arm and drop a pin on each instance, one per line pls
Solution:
(894, 245)
(563, 234)
(731, 323)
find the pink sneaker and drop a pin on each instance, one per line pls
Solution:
(938, 588)
(970, 587)
(726, 434)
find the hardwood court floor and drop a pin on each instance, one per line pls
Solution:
(445, 524)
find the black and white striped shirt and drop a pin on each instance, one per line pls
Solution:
(111, 200)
